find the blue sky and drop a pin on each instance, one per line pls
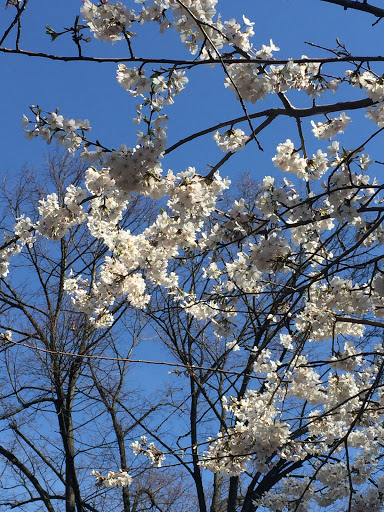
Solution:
(89, 90)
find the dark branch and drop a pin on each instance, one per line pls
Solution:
(193, 63)
(359, 6)
(275, 112)
(28, 474)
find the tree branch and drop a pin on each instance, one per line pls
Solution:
(193, 63)
(274, 112)
(31, 477)
(359, 6)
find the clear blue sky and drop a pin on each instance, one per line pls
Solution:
(88, 90)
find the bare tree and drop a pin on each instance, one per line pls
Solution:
(65, 409)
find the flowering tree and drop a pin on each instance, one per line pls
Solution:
(269, 303)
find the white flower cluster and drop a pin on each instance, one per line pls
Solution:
(288, 159)
(113, 478)
(269, 252)
(304, 378)
(331, 128)
(136, 170)
(376, 114)
(332, 485)
(272, 197)
(69, 133)
(244, 272)
(259, 434)
(214, 34)
(90, 301)
(133, 80)
(253, 82)
(236, 34)
(164, 86)
(276, 252)
(23, 235)
(6, 337)
(108, 21)
(56, 220)
(373, 84)
(23, 231)
(232, 140)
(106, 209)
(142, 447)
(348, 359)
(292, 492)
(326, 302)
(193, 19)
(191, 200)
(256, 436)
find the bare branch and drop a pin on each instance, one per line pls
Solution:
(359, 6)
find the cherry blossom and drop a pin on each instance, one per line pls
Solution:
(284, 285)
